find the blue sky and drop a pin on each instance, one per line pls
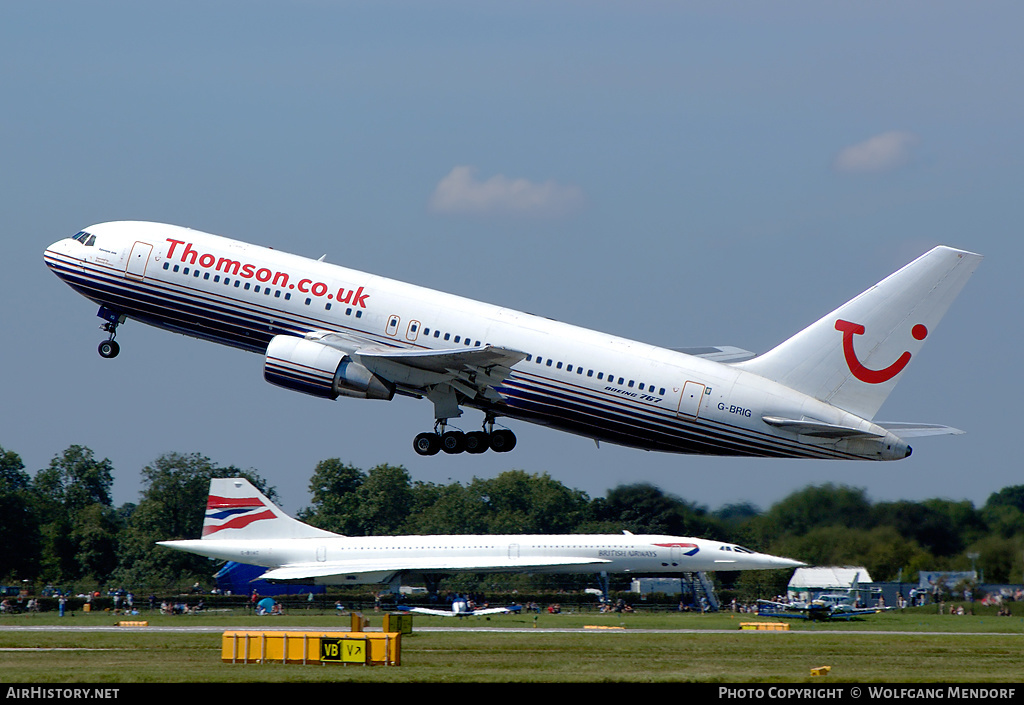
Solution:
(682, 173)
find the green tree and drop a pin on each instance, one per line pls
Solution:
(817, 506)
(446, 509)
(19, 520)
(384, 499)
(880, 549)
(335, 503)
(644, 509)
(517, 502)
(172, 506)
(1004, 511)
(999, 558)
(78, 525)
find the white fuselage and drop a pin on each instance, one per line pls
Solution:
(570, 553)
(578, 380)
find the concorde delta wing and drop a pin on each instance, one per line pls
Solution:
(301, 571)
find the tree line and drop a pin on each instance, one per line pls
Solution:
(60, 527)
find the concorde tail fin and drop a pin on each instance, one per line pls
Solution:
(853, 357)
(235, 509)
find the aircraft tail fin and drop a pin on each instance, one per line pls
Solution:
(235, 509)
(853, 357)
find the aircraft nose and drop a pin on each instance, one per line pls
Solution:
(779, 562)
(56, 249)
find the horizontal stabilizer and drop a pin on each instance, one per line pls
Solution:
(718, 353)
(913, 430)
(810, 427)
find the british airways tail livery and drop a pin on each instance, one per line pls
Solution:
(242, 525)
(329, 331)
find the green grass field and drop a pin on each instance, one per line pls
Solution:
(643, 648)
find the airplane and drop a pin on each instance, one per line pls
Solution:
(820, 609)
(242, 525)
(460, 608)
(329, 331)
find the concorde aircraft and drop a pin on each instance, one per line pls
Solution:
(329, 331)
(242, 525)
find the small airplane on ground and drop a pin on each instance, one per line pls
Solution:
(822, 608)
(242, 525)
(329, 331)
(460, 608)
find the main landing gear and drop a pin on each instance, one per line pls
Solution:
(452, 442)
(109, 347)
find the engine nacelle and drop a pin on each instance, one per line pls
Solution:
(313, 368)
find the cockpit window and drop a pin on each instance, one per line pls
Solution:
(85, 238)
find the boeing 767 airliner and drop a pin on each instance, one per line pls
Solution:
(330, 331)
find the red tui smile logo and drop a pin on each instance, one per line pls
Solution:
(861, 372)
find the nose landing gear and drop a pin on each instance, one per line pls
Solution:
(109, 347)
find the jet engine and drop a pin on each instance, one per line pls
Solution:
(320, 370)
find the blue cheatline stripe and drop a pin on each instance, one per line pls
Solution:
(630, 425)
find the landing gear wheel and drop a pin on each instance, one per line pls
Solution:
(453, 442)
(477, 442)
(503, 441)
(427, 443)
(109, 348)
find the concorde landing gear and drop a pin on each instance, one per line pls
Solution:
(454, 441)
(109, 347)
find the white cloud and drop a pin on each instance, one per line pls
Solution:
(462, 192)
(884, 152)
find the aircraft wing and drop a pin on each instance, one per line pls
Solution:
(471, 371)
(718, 353)
(449, 613)
(299, 571)
(427, 610)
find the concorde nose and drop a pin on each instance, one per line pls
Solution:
(779, 562)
